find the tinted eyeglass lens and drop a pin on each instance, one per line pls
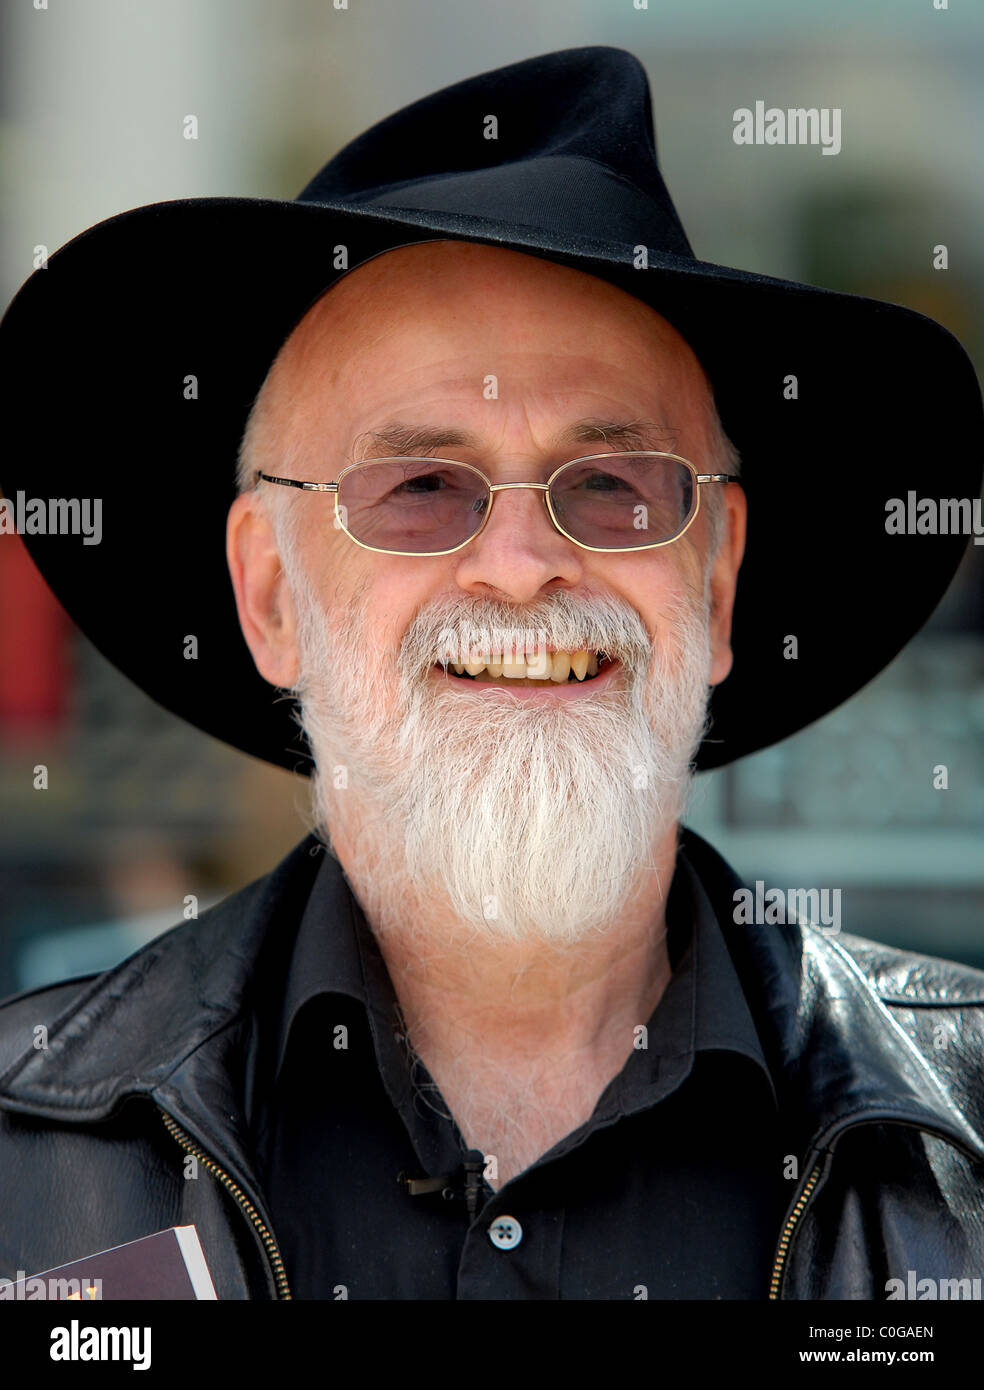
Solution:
(619, 501)
(416, 506)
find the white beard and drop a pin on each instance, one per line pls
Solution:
(525, 820)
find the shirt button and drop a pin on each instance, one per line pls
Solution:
(505, 1232)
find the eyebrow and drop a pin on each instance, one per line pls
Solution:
(398, 440)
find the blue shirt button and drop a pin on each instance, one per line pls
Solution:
(505, 1232)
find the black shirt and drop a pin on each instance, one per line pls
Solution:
(672, 1189)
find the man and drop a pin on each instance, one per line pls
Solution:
(470, 788)
(508, 1037)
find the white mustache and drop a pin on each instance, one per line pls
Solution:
(560, 621)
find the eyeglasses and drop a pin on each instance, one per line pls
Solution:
(434, 506)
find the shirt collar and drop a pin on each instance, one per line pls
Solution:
(724, 1020)
(326, 957)
(703, 1008)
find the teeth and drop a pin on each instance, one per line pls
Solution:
(561, 666)
(543, 666)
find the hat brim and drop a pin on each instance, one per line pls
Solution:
(97, 348)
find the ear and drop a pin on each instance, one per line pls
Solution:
(724, 581)
(266, 611)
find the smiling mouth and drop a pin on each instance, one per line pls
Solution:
(547, 668)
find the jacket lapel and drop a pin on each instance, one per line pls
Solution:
(174, 1023)
(839, 1057)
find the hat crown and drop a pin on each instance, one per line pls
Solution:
(562, 142)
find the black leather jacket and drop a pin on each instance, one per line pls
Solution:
(877, 1055)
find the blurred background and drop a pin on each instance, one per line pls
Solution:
(143, 811)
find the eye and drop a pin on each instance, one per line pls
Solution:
(604, 482)
(426, 482)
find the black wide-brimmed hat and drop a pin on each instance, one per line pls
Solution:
(99, 348)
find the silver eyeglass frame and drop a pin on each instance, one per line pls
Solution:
(493, 488)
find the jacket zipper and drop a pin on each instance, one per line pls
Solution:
(270, 1245)
(786, 1235)
(802, 1202)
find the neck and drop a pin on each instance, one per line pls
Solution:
(520, 1037)
(478, 1009)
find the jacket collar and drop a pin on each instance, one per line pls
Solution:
(176, 1023)
(839, 1055)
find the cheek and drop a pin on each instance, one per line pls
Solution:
(341, 571)
(325, 551)
(688, 563)
(655, 582)
(388, 591)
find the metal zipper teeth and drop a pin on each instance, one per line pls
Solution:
(788, 1229)
(276, 1260)
(782, 1250)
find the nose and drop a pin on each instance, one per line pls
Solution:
(519, 552)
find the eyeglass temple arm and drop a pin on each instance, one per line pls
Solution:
(293, 482)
